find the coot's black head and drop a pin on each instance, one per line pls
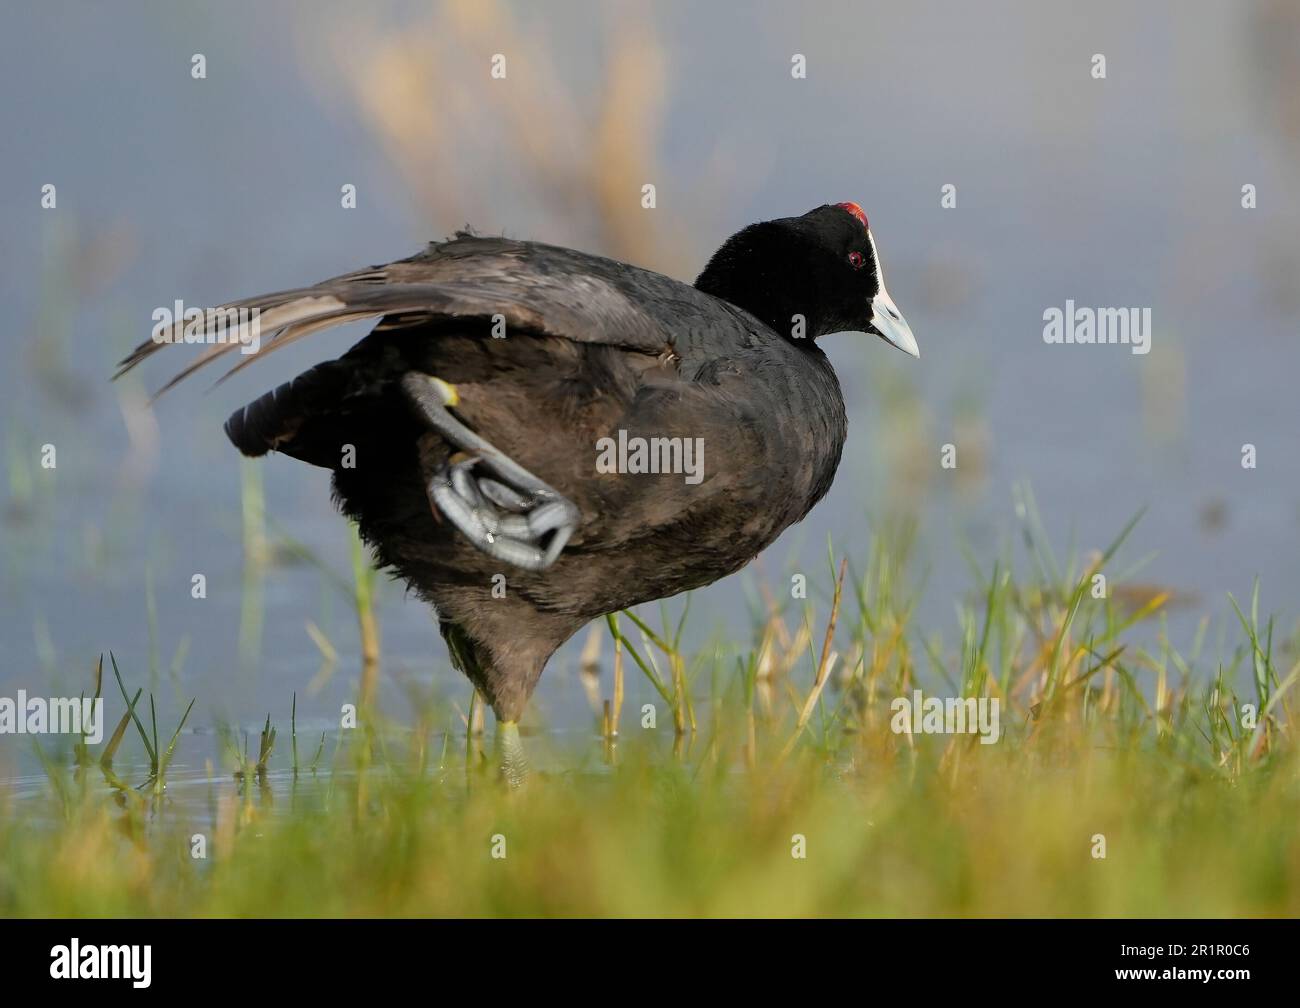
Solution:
(821, 268)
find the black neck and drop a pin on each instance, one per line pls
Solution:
(755, 272)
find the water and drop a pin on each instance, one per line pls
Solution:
(1117, 192)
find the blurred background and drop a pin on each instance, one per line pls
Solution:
(1117, 192)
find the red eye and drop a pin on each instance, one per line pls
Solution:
(856, 260)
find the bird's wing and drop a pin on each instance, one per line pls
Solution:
(534, 288)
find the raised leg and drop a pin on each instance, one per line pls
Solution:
(497, 504)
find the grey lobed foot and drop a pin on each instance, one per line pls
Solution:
(497, 504)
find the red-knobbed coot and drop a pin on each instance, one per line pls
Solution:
(533, 437)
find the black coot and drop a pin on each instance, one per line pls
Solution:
(533, 437)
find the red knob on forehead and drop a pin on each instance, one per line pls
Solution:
(857, 212)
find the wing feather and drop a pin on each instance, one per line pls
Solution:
(536, 288)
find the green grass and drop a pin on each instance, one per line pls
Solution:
(1108, 732)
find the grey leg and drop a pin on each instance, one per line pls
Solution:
(511, 762)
